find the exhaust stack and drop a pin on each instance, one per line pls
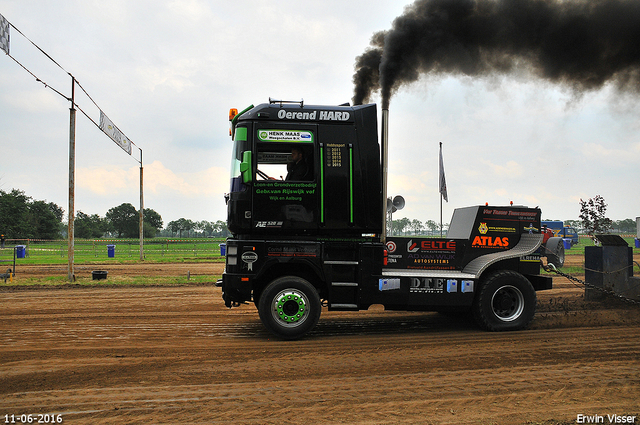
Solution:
(384, 153)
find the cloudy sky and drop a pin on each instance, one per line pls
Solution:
(167, 72)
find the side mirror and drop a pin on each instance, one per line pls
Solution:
(245, 167)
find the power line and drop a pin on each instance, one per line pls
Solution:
(74, 79)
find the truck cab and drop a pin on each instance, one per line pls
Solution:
(306, 213)
(340, 190)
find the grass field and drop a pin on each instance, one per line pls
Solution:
(586, 241)
(124, 251)
(190, 252)
(155, 250)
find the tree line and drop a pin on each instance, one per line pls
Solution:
(22, 217)
(593, 220)
(406, 226)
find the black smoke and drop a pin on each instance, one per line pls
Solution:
(582, 44)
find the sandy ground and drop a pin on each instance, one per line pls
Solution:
(104, 355)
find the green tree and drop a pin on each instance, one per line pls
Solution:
(21, 217)
(124, 220)
(416, 225)
(400, 225)
(148, 231)
(221, 228)
(576, 224)
(173, 227)
(43, 219)
(593, 215)
(207, 227)
(152, 223)
(626, 226)
(432, 226)
(13, 211)
(188, 225)
(89, 226)
(180, 225)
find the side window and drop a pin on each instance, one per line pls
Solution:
(285, 155)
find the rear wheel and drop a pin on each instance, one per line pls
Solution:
(289, 307)
(506, 302)
(555, 251)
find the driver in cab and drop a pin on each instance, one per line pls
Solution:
(297, 168)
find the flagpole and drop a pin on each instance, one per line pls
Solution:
(442, 186)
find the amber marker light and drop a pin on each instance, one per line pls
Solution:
(232, 114)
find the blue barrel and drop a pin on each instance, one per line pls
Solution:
(637, 243)
(111, 251)
(223, 249)
(567, 243)
(21, 251)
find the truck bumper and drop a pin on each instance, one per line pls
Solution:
(236, 289)
(541, 283)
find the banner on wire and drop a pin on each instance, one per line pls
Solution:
(4, 34)
(110, 129)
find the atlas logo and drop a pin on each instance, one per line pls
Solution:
(483, 229)
(489, 242)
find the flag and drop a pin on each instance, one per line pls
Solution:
(114, 133)
(4, 34)
(443, 181)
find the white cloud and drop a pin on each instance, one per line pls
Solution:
(157, 179)
(510, 169)
(166, 72)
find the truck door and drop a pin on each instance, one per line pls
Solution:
(336, 144)
(285, 195)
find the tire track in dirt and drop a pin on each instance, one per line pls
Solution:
(411, 397)
(171, 355)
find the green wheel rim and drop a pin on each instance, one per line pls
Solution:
(290, 307)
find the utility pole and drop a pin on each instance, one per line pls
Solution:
(141, 212)
(72, 172)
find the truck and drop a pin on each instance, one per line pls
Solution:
(561, 230)
(319, 238)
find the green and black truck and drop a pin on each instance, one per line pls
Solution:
(307, 212)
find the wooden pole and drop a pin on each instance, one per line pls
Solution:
(72, 167)
(141, 212)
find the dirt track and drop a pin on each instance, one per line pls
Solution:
(177, 355)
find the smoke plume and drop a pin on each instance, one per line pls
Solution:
(582, 44)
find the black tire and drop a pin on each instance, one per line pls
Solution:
(506, 301)
(289, 307)
(555, 252)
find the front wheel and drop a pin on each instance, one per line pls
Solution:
(289, 307)
(506, 302)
